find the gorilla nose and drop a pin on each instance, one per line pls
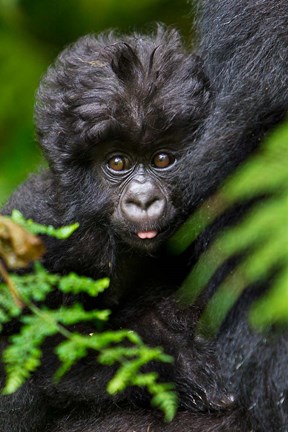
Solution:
(143, 202)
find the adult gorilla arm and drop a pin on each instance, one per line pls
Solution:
(244, 45)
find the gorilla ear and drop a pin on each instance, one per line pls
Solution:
(125, 62)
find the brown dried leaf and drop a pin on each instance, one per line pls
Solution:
(17, 246)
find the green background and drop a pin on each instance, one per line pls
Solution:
(32, 32)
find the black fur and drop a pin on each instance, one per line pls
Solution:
(148, 93)
(244, 45)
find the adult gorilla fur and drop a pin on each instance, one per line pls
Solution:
(180, 126)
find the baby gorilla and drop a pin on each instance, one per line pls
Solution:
(116, 119)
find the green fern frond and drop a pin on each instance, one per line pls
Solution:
(260, 238)
(123, 348)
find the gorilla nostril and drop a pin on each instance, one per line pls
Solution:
(143, 202)
(137, 208)
(156, 207)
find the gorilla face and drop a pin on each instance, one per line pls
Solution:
(143, 192)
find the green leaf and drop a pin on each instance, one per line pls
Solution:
(35, 228)
(75, 284)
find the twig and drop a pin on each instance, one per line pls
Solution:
(12, 288)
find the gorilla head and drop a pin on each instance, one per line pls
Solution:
(113, 117)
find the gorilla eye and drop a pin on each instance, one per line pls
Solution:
(119, 163)
(162, 160)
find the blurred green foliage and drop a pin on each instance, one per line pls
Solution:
(31, 34)
(260, 239)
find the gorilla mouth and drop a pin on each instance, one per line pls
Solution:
(147, 234)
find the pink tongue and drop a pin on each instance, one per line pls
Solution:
(147, 234)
